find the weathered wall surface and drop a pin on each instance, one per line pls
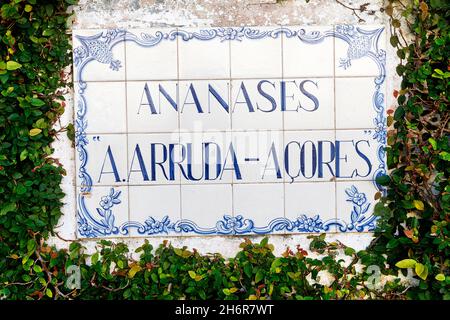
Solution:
(97, 14)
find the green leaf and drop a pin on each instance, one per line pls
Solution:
(28, 8)
(264, 241)
(259, 276)
(135, 269)
(21, 189)
(35, 132)
(94, 258)
(37, 268)
(440, 277)
(248, 270)
(12, 65)
(419, 205)
(383, 180)
(421, 271)
(394, 41)
(49, 293)
(192, 274)
(349, 251)
(37, 102)
(23, 154)
(406, 263)
(7, 208)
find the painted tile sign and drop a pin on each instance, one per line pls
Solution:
(224, 131)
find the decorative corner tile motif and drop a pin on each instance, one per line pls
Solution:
(266, 130)
(356, 48)
(99, 55)
(355, 206)
(102, 212)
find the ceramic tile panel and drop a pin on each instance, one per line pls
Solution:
(205, 205)
(107, 107)
(152, 106)
(309, 156)
(204, 105)
(359, 50)
(155, 159)
(308, 103)
(98, 55)
(256, 104)
(311, 207)
(355, 204)
(153, 209)
(259, 203)
(255, 52)
(208, 157)
(301, 58)
(105, 160)
(358, 103)
(152, 54)
(200, 61)
(228, 130)
(109, 213)
(357, 154)
(259, 156)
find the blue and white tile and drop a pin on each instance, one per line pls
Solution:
(309, 103)
(355, 100)
(354, 55)
(149, 61)
(261, 203)
(257, 58)
(106, 63)
(318, 161)
(106, 161)
(311, 205)
(104, 210)
(105, 107)
(207, 157)
(154, 158)
(356, 154)
(152, 106)
(304, 55)
(250, 110)
(355, 204)
(153, 209)
(204, 105)
(202, 59)
(205, 205)
(259, 156)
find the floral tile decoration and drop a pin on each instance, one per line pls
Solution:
(229, 131)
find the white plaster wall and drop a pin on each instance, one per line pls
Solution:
(97, 14)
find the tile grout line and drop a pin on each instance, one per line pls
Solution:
(222, 130)
(179, 119)
(334, 108)
(126, 126)
(233, 213)
(283, 124)
(239, 78)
